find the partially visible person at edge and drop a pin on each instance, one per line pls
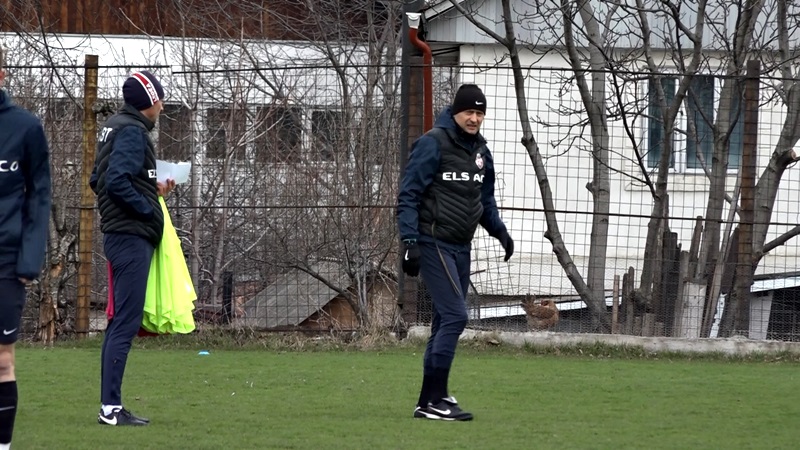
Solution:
(132, 222)
(25, 197)
(446, 192)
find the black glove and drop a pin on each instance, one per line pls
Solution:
(507, 243)
(410, 257)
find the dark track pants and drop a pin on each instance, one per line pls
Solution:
(130, 258)
(448, 289)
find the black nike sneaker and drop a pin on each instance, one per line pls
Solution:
(121, 417)
(422, 413)
(444, 410)
(450, 401)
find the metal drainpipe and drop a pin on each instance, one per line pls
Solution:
(427, 69)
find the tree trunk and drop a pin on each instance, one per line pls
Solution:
(595, 103)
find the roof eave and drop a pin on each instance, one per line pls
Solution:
(438, 9)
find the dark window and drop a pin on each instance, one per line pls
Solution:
(655, 128)
(326, 135)
(700, 110)
(225, 132)
(279, 136)
(175, 133)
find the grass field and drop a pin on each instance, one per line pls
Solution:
(345, 399)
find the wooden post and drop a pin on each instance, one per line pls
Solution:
(744, 269)
(630, 305)
(86, 232)
(615, 307)
(410, 286)
(649, 324)
(696, 270)
(637, 326)
(680, 301)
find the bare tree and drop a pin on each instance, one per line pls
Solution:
(300, 160)
(593, 95)
(39, 87)
(291, 142)
(722, 48)
(357, 43)
(607, 43)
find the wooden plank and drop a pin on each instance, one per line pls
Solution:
(630, 312)
(670, 280)
(637, 326)
(648, 324)
(760, 308)
(615, 307)
(694, 295)
(694, 247)
(683, 275)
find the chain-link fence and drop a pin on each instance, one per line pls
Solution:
(622, 217)
(287, 221)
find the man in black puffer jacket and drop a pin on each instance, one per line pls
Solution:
(132, 222)
(446, 192)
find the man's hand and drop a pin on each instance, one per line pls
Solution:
(507, 243)
(25, 281)
(165, 188)
(410, 257)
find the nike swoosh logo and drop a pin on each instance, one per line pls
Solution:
(406, 255)
(108, 421)
(7, 332)
(443, 412)
(478, 103)
(7, 408)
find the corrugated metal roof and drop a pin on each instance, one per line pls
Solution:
(777, 283)
(495, 311)
(434, 8)
(294, 296)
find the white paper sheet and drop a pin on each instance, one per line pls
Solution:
(175, 171)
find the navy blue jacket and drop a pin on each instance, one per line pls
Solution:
(124, 177)
(423, 164)
(25, 192)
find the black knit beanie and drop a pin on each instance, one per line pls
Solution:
(469, 96)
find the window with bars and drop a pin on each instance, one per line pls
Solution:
(175, 133)
(327, 131)
(225, 132)
(696, 122)
(279, 135)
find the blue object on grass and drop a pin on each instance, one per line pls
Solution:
(203, 352)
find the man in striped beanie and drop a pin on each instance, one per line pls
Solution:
(132, 222)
